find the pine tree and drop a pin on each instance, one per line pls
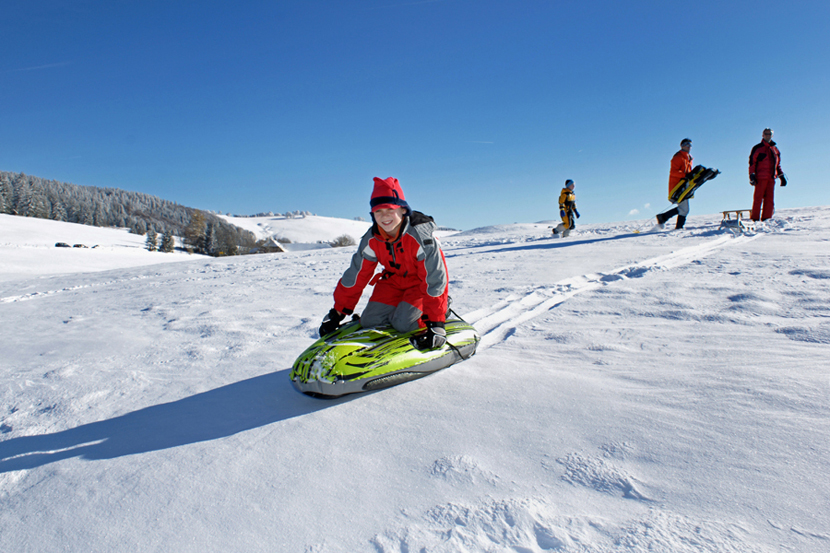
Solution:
(22, 196)
(211, 244)
(39, 205)
(168, 243)
(6, 194)
(58, 212)
(138, 227)
(152, 241)
(87, 217)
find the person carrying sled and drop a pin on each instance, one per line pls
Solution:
(567, 210)
(412, 290)
(764, 168)
(681, 166)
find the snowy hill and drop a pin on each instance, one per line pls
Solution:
(301, 233)
(633, 392)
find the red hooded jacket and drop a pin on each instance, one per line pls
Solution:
(765, 161)
(413, 260)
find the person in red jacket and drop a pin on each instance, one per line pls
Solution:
(764, 168)
(412, 290)
(681, 165)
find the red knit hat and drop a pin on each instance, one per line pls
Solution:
(387, 194)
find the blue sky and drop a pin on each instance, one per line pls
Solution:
(482, 109)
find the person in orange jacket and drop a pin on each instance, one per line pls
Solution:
(681, 165)
(764, 168)
(412, 291)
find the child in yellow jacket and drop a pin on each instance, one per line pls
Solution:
(567, 210)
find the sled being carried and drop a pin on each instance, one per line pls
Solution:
(685, 189)
(355, 359)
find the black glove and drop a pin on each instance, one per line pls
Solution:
(752, 179)
(331, 322)
(434, 337)
(576, 213)
(783, 178)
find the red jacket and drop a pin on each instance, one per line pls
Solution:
(681, 164)
(413, 260)
(765, 161)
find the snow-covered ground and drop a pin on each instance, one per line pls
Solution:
(27, 248)
(664, 392)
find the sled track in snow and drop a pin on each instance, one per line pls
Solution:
(496, 323)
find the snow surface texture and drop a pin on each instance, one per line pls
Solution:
(662, 391)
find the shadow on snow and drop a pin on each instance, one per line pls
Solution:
(211, 415)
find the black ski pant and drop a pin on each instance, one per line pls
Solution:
(663, 217)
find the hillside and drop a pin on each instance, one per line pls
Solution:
(300, 233)
(632, 392)
(29, 196)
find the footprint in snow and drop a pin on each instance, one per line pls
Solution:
(600, 475)
(462, 469)
(522, 525)
(816, 335)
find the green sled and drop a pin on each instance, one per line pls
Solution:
(355, 359)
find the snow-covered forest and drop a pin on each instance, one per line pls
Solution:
(29, 196)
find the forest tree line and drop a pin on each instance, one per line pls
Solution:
(200, 231)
